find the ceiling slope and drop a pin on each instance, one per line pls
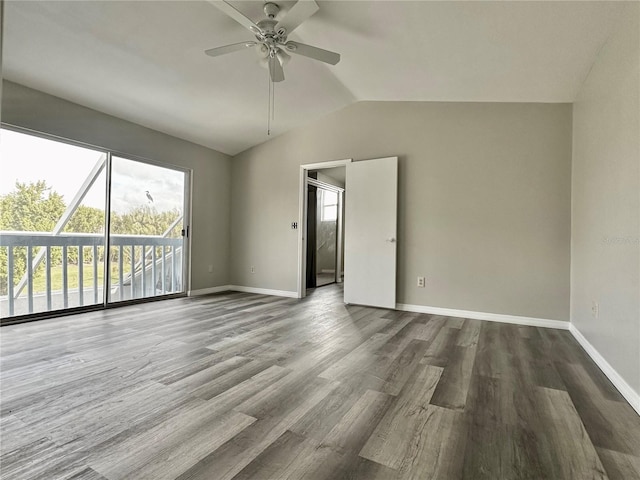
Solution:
(143, 61)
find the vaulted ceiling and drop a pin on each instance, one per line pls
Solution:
(143, 61)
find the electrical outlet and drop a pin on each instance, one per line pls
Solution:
(421, 282)
(210, 268)
(253, 269)
(595, 309)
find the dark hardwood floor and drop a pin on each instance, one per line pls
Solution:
(254, 387)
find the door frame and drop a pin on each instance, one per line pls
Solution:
(302, 215)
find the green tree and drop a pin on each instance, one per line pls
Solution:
(86, 220)
(35, 207)
(31, 207)
(143, 220)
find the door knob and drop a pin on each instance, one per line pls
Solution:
(391, 240)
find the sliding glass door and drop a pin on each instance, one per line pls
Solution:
(147, 226)
(62, 206)
(52, 216)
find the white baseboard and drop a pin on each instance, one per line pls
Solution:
(491, 317)
(207, 291)
(264, 291)
(239, 288)
(623, 387)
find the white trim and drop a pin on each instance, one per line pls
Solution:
(187, 221)
(302, 218)
(340, 240)
(623, 387)
(207, 291)
(264, 291)
(239, 288)
(302, 228)
(491, 317)
(330, 164)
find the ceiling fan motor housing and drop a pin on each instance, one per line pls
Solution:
(267, 26)
(271, 9)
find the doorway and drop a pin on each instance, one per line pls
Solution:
(370, 242)
(321, 233)
(324, 238)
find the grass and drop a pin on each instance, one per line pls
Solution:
(40, 280)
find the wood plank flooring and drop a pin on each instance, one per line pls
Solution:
(242, 386)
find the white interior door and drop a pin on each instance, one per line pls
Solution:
(370, 232)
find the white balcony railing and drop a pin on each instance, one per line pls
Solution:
(153, 267)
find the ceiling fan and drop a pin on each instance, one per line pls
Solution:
(271, 36)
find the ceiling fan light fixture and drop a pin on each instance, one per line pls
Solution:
(283, 57)
(264, 62)
(262, 50)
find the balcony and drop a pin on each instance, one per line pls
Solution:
(66, 270)
(80, 226)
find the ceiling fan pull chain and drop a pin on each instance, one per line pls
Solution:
(271, 115)
(269, 106)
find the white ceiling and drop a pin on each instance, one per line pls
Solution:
(143, 60)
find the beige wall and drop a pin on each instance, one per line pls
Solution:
(484, 201)
(606, 202)
(35, 110)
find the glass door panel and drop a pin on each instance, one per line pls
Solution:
(52, 216)
(326, 236)
(146, 255)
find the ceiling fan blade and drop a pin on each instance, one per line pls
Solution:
(275, 70)
(234, 47)
(234, 13)
(313, 52)
(302, 10)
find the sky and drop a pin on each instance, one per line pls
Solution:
(64, 167)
